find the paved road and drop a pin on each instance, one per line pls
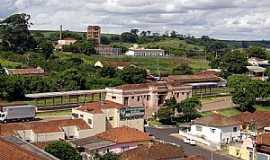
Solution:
(164, 134)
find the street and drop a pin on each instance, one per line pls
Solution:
(164, 134)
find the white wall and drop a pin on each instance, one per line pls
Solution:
(218, 136)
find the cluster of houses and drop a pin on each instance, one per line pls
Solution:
(98, 127)
(245, 136)
(115, 124)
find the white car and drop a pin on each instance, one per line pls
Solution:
(189, 141)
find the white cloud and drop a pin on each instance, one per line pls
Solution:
(226, 19)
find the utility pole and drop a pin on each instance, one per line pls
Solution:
(61, 34)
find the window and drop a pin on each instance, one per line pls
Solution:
(213, 130)
(74, 115)
(110, 118)
(148, 97)
(81, 116)
(89, 121)
(235, 129)
(113, 97)
(198, 128)
(138, 98)
(132, 97)
(126, 101)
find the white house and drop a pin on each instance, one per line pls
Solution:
(216, 129)
(146, 52)
(258, 62)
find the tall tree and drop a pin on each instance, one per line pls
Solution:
(257, 51)
(16, 34)
(134, 31)
(63, 151)
(133, 75)
(233, 63)
(189, 108)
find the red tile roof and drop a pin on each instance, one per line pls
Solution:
(41, 127)
(260, 118)
(195, 158)
(263, 143)
(216, 120)
(153, 151)
(124, 135)
(194, 78)
(27, 71)
(10, 151)
(96, 107)
(146, 86)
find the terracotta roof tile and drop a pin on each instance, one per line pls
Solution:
(216, 120)
(260, 118)
(41, 127)
(153, 151)
(10, 151)
(96, 107)
(124, 135)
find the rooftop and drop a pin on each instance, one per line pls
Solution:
(92, 143)
(256, 69)
(263, 143)
(27, 71)
(41, 127)
(124, 135)
(216, 120)
(260, 118)
(96, 107)
(194, 78)
(153, 151)
(13, 148)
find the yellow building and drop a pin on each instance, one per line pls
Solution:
(242, 151)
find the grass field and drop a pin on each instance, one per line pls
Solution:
(9, 64)
(226, 112)
(56, 113)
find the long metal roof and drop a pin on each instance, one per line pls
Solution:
(66, 93)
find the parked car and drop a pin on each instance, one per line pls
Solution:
(189, 141)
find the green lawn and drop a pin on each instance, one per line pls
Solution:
(262, 108)
(226, 112)
(9, 64)
(55, 113)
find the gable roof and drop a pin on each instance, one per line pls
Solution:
(124, 135)
(41, 127)
(96, 107)
(153, 151)
(216, 120)
(12, 148)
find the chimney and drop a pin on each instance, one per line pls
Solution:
(61, 30)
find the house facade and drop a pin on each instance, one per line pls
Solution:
(146, 52)
(104, 115)
(151, 95)
(216, 129)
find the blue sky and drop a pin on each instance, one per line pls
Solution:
(223, 19)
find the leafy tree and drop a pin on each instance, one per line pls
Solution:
(63, 151)
(257, 51)
(133, 74)
(165, 115)
(129, 37)
(15, 88)
(189, 108)
(182, 69)
(171, 103)
(173, 34)
(16, 35)
(233, 63)
(108, 72)
(134, 31)
(105, 40)
(46, 48)
(83, 46)
(71, 79)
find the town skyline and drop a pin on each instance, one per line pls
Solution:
(234, 20)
